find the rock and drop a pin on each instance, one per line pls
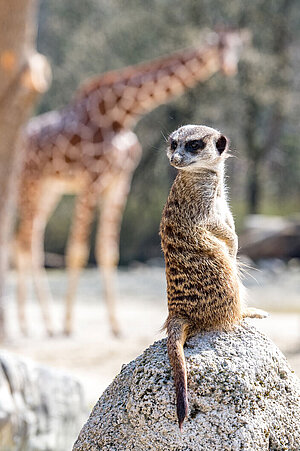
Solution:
(270, 237)
(40, 408)
(242, 395)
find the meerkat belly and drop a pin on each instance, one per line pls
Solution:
(202, 286)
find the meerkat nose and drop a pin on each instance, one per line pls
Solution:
(176, 158)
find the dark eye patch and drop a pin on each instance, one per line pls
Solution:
(193, 146)
(173, 145)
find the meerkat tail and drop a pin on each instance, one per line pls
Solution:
(177, 334)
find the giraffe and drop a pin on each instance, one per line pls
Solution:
(89, 148)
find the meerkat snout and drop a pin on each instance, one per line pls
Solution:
(176, 159)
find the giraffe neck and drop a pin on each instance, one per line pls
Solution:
(127, 94)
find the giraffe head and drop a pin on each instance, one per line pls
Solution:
(194, 147)
(231, 43)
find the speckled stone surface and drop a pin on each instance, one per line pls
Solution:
(41, 408)
(242, 396)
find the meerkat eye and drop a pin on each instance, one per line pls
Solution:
(192, 146)
(173, 145)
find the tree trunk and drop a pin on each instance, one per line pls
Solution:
(24, 74)
(253, 188)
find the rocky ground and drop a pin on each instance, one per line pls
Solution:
(93, 356)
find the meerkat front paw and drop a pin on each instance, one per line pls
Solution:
(251, 312)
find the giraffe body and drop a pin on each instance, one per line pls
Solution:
(200, 246)
(89, 148)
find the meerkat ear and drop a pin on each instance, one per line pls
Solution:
(221, 144)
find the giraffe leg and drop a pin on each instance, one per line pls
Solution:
(22, 261)
(78, 250)
(28, 200)
(34, 208)
(107, 245)
(47, 202)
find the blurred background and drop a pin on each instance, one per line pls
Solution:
(258, 109)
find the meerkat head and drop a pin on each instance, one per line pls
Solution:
(194, 147)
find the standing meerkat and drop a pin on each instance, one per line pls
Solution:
(200, 246)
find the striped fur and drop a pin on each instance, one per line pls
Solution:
(199, 245)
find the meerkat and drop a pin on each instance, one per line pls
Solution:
(200, 245)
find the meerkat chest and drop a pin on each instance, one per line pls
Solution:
(221, 208)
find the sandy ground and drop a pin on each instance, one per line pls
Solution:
(94, 357)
